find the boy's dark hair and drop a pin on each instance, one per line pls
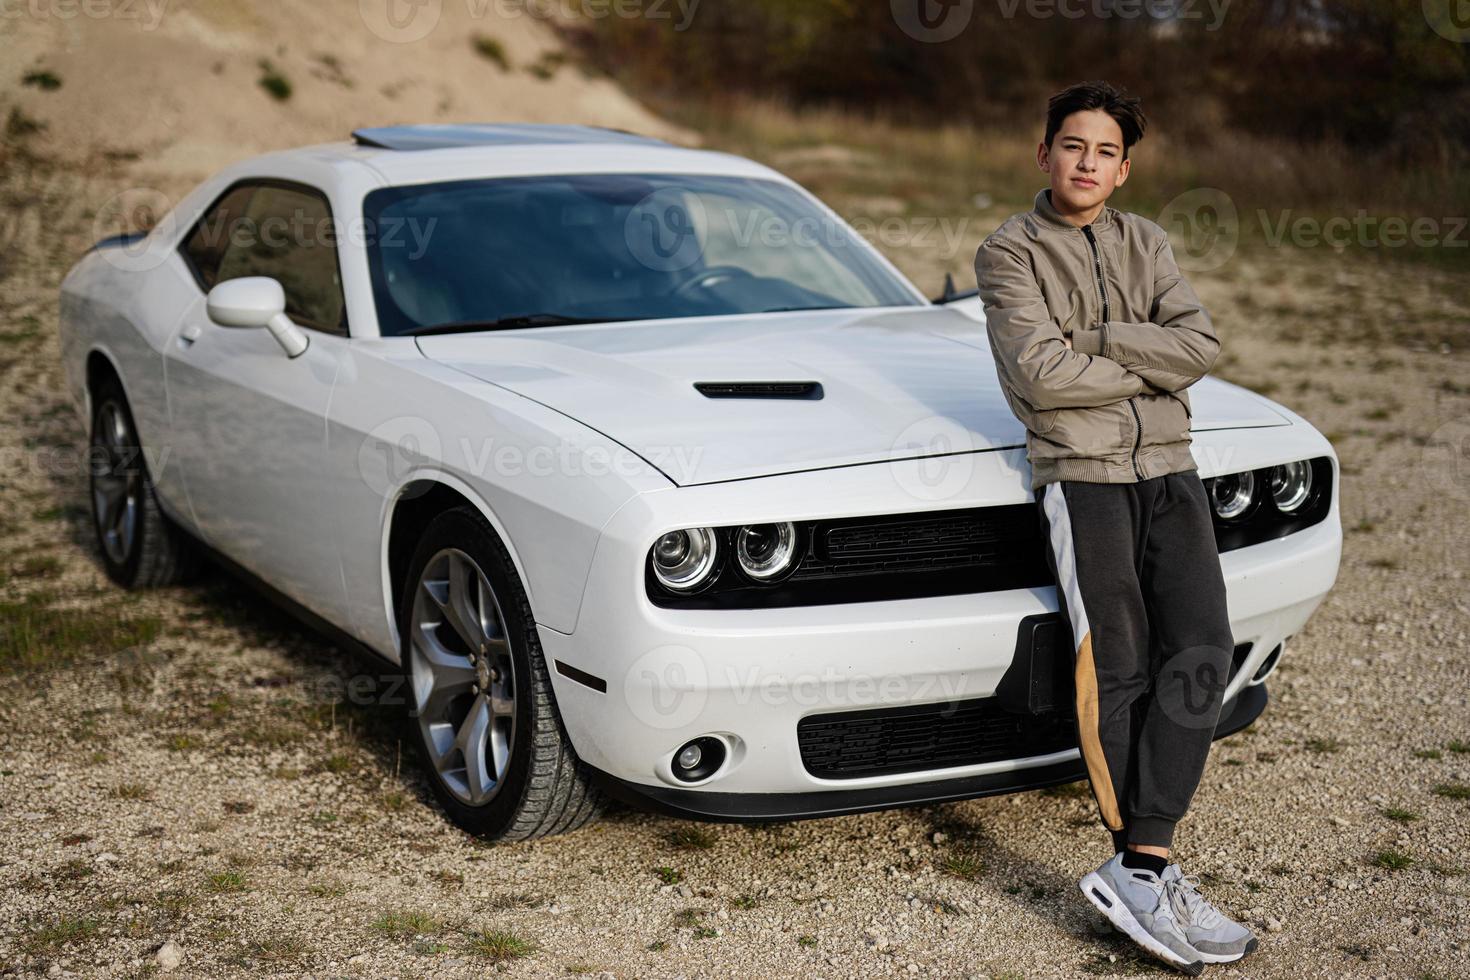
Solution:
(1128, 112)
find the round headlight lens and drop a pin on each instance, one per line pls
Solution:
(765, 551)
(1231, 495)
(1291, 483)
(685, 560)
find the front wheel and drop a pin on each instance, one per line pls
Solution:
(140, 546)
(480, 706)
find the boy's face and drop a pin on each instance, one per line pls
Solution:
(1085, 161)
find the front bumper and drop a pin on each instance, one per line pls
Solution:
(757, 807)
(635, 682)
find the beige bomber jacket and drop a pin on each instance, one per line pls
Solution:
(1113, 408)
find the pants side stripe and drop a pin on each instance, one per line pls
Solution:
(1059, 522)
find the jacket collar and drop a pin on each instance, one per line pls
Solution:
(1051, 216)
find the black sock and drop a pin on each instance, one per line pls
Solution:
(1120, 840)
(1145, 862)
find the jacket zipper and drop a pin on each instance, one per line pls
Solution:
(1103, 291)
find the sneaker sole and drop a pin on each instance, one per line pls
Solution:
(1109, 904)
(1250, 947)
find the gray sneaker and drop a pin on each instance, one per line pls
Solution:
(1218, 938)
(1142, 906)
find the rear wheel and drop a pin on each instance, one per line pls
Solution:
(140, 546)
(480, 707)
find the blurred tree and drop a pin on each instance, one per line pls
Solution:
(1369, 73)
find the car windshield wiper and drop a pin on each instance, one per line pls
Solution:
(504, 323)
(800, 309)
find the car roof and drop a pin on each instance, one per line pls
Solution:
(404, 155)
(412, 138)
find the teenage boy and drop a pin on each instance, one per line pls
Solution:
(1096, 336)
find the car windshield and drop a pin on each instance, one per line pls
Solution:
(533, 251)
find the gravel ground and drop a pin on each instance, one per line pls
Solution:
(185, 790)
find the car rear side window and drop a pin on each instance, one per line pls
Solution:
(206, 244)
(287, 233)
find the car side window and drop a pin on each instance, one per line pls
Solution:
(287, 233)
(205, 246)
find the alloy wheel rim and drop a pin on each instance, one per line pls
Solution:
(463, 677)
(117, 483)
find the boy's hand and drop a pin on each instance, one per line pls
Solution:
(1067, 339)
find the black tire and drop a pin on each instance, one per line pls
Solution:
(545, 789)
(156, 552)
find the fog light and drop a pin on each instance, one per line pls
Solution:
(699, 759)
(1269, 664)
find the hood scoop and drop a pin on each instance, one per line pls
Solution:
(760, 389)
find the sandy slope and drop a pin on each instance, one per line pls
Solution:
(176, 82)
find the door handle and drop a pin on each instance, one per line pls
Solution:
(188, 335)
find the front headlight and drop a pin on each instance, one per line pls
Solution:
(1291, 484)
(1231, 495)
(683, 561)
(766, 551)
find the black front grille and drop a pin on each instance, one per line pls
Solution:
(912, 738)
(891, 556)
(921, 542)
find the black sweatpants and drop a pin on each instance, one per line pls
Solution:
(1139, 582)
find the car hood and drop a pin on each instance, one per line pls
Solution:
(895, 383)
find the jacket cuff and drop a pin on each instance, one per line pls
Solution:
(1087, 341)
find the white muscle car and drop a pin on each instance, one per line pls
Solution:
(652, 477)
